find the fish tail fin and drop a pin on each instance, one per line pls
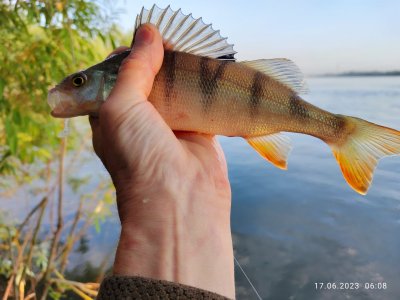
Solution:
(359, 152)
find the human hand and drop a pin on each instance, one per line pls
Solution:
(173, 192)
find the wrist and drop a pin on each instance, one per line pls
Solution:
(178, 232)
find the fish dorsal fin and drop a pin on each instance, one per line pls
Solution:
(274, 147)
(184, 33)
(283, 70)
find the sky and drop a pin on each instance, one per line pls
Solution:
(319, 36)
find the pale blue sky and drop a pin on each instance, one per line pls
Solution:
(320, 36)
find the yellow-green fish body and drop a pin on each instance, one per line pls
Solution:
(206, 95)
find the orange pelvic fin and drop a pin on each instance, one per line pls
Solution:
(361, 151)
(274, 148)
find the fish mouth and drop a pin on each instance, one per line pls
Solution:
(62, 105)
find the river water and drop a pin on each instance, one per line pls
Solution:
(304, 226)
(300, 233)
(297, 229)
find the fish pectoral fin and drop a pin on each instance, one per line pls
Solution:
(274, 147)
(281, 69)
(359, 154)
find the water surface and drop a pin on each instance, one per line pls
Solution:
(303, 226)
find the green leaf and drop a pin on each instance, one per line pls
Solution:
(17, 117)
(113, 42)
(2, 85)
(32, 60)
(11, 138)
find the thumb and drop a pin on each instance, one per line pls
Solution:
(137, 72)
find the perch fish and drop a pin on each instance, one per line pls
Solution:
(201, 88)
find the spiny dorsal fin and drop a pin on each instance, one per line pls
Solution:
(283, 70)
(274, 148)
(186, 34)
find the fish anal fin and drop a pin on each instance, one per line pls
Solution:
(281, 69)
(359, 154)
(274, 147)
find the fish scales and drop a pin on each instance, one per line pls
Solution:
(207, 92)
(204, 88)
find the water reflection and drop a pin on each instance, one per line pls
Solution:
(305, 225)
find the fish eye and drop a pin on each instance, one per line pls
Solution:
(79, 80)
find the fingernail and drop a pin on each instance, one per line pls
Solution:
(144, 36)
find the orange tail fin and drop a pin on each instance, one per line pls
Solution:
(360, 153)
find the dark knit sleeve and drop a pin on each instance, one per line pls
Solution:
(133, 287)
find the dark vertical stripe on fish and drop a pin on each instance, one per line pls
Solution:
(297, 107)
(170, 66)
(339, 125)
(209, 80)
(256, 93)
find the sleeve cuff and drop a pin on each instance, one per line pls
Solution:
(135, 287)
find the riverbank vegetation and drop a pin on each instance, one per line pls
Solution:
(40, 43)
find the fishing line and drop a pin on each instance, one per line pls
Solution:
(248, 279)
(65, 132)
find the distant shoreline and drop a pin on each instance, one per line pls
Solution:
(362, 74)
